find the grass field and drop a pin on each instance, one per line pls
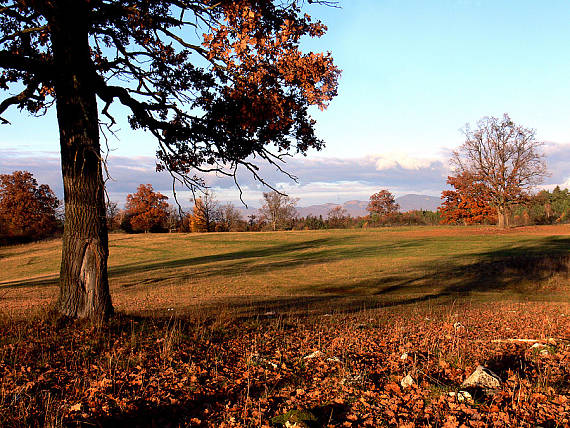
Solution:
(265, 329)
(156, 272)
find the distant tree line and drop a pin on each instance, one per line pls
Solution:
(277, 212)
(31, 211)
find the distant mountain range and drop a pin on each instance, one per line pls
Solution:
(418, 202)
(358, 208)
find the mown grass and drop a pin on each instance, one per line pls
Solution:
(173, 271)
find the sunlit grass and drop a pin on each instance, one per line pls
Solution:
(176, 270)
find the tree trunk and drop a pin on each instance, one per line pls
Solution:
(84, 287)
(503, 217)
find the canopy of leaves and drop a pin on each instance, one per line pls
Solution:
(382, 203)
(216, 82)
(27, 210)
(147, 209)
(468, 203)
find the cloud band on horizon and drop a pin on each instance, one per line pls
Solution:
(321, 179)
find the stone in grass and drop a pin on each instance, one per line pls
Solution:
(407, 381)
(316, 354)
(464, 396)
(484, 379)
(296, 418)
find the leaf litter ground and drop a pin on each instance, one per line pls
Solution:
(212, 368)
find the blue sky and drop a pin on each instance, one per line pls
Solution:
(414, 73)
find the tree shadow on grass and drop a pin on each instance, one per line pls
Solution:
(185, 413)
(254, 253)
(261, 261)
(514, 269)
(252, 261)
(190, 412)
(246, 255)
(520, 272)
(521, 269)
(48, 281)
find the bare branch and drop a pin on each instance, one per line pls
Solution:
(41, 69)
(19, 99)
(23, 32)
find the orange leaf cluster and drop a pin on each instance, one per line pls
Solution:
(147, 209)
(27, 210)
(468, 203)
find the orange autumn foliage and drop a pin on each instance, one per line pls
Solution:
(382, 203)
(147, 209)
(27, 210)
(468, 203)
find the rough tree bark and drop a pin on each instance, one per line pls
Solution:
(84, 287)
(503, 217)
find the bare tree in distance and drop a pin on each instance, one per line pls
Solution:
(112, 211)
(174, 220)
(503, 156)
(337, 217)
(278, 209)
(229, 216)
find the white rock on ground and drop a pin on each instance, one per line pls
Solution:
(482, 378)
(315, 354)
(537, 345)
(407, 381)
(464, 396)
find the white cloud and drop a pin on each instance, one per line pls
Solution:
(321, 179)
(403, 160)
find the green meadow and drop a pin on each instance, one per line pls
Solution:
(400, 264)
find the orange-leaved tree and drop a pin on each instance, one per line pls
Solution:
(147, 210)
(205, 213)
(382, 203)
(27, 210)
(218, 83)
(468, 203)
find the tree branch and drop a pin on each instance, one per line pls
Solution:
(22, 32)
(26, 94)
(39, 68)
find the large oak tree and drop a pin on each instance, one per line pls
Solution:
(219, 83)
(505, 158)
